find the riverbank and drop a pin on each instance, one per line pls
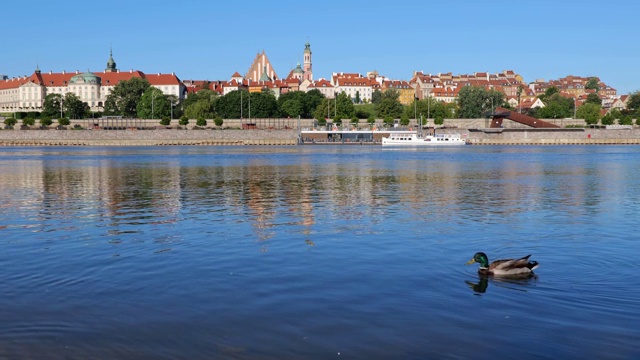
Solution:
(172, 137)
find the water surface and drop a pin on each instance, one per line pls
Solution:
(317, 252)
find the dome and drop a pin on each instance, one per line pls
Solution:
(298, 69)
(85, 78)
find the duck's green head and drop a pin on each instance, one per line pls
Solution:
(480, 258)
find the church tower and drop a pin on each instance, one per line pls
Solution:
(111, 64)
(308, 73)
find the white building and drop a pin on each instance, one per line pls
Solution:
(324, 86)
(27, 94)
(354, 85)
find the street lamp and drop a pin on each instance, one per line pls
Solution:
(153, 95)
(429, 104)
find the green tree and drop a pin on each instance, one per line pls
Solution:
(556, 107)
(311, 100)
(201, 122)
(438, 112)
(52, 105)
(344, 106)
(389, 105)
(354, 120)
(633, 103)
(291, 108)
(551, 91)
(218, 121)
(201, 103)
(357, 98)
(594, 98)
(363, 111)
(64, 121)
(589, 112)
(165, 121)
(235, 105)
(608, 119)
(74, 107)
(625, 120)
(371, 119)
(592, 84)
(264, 105)
(476, 102)
(451, 110)
(184, 120)
(376, 97)
(123, 99)
(340, 108)
(404, 120)
(153, 104)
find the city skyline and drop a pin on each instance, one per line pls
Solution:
(545, 39)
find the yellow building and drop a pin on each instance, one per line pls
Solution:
(405, 90)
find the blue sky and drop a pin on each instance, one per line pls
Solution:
(213, 39)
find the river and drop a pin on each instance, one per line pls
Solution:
(316, 252)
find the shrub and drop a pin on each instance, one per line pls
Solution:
(10, 122)
(218, 121)
(29, 121)
(371, 119)
(201, 121)
(354, 120)
(388, 121)
(184, 120)
(165, 121)
(46, 122)
(64, 121)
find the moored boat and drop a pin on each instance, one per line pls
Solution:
(412, 139)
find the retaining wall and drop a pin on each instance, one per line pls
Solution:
(146, 137)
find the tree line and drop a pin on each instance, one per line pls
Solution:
(136, 98)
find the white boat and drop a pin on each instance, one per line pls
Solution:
(412, 139)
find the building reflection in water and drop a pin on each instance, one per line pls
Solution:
(125, 193)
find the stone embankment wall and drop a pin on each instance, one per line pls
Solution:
(548, 137)
(285, 132)
(146, 137)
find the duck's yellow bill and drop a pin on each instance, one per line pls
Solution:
(470, 262)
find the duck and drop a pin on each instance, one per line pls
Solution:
(506, 267)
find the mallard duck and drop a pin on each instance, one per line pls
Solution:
(506, 267)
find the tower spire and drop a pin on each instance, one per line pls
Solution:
(111, 64)
(308, 72)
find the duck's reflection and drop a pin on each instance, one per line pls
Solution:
(512, 283)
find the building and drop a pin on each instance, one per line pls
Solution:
(308, 72)
(354, 85)
(27, 94)
(324, 86)
(406, 93)
(261, 69)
